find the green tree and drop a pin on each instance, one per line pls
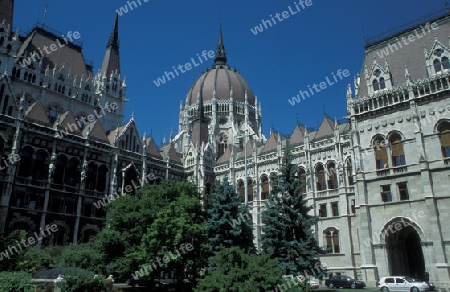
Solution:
(287, 233)
(128, 219)
(15, 281)
(179, 231)
(234, 270)
(85, 256)
(11, 251)
(36, 259)
(229, 221)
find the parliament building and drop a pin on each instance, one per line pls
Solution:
(379, 181)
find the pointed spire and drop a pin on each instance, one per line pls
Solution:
(111, 60)
(114, 38)
(349, 91)
(221, 57)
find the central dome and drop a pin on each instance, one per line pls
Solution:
(223, 79)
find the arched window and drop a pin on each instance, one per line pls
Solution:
(321, 183)
(40, 167)
(72, 176)
(376, 85)
(350, 172)
(398, 155)
(102, 174)
(2, 40)
(445, 63)
(26, 161)
(264, 187)
(250, 189)
(241, 191)
(91, 177)
(381, 158)
(331, 240)
(302, 177)
(332, 176)
(444, 136)
(88, 234)
(437, 65)
(223, 142)
(58, 175)
(382, 83)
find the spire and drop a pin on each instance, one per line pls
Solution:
(114, 38)
(111, 60)
(7, 12)
(221, 56)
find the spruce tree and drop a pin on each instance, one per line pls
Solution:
(229, 221)
(287, 233)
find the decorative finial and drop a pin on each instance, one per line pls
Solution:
(45, 15)
(221, 57)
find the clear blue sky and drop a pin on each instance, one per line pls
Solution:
(299, 51)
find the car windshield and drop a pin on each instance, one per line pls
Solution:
(410, 280)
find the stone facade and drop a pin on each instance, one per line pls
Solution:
(378, 180)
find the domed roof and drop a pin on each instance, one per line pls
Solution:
(221, 78)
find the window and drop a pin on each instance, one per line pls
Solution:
(241, 191)
(321, 185)
(335, 209)
(386, 195)
(323, 210)
(399, 280)
(52, 113)
(445, 63)
(444, 136)
(350, 173)
(332, 177)
(389, 280)
(353, 206)
(302, 176)
(403, 191)
(264, 187)
(437, 65)
(331, 240)
(376, 85)
(380, 153)
(250, 189)
(382, 83)
(398, 155)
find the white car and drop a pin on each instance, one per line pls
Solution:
(313, 283)
(402, 284)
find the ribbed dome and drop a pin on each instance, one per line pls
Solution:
(223, 79)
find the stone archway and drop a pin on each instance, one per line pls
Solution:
(404, 249)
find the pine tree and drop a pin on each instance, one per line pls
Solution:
(229, 221)
(287, 233)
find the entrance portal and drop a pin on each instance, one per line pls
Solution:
(404, 250)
